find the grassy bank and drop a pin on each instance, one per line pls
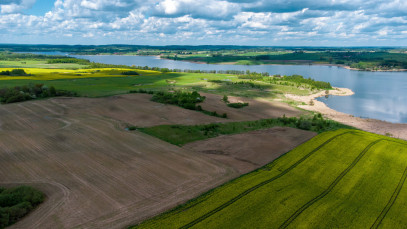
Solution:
(180, 135)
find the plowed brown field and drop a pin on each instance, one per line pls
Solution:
(248, 151)
(94, 173)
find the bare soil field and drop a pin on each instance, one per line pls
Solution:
(137, 109)
(94, 173)
(248, 151)
(257, 109)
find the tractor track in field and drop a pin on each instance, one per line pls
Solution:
(246, 192)
(393, 199)
(332, 186)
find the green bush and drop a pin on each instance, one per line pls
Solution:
(131, 128)
(225, 99)
(214, 113)
(130, 73)
(237, 105)
(68, 60)
(301, 80)
(186, 100)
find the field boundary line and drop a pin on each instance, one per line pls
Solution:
(329, 189)
(244, 193)
(391, 201)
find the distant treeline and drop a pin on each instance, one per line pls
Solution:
(115, 48)
(300, 79)
(29, 92)
(17, 202)
(8, 56)
(68, 60)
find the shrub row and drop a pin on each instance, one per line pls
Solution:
(130, 73)
(29, 92)
(187, 100)
(237, 105)
(14, 72)
(17, 202)
(68, 60)
(300, 79)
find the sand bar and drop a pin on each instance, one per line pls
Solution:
(397, 130)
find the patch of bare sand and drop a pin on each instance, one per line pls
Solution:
(397, 130)
(248, 151)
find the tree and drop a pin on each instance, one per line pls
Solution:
(52, 91)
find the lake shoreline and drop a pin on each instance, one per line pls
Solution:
(234, 63)
(320, 64)
(396, 130)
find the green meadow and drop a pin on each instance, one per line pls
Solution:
(97, 82)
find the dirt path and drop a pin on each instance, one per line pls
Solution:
(371, 125)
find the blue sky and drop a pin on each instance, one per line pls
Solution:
(198, 22)
(39, 7)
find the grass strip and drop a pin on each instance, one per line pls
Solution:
(180, 134)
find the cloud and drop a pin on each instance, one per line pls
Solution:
(15, 6)
(210, 9)
(254, 22)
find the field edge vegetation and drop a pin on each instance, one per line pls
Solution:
(17, 202)
(183, 134)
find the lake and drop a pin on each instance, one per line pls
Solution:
(378, 95)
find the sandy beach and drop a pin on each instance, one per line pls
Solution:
(397, 130)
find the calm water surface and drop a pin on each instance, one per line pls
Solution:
(378, 95)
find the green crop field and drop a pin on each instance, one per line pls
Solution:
(110, 81)
(339, 179)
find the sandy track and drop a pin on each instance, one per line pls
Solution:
(248, 151)
(397, 130)
(94, 173)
